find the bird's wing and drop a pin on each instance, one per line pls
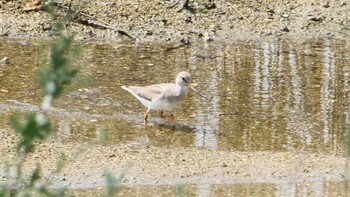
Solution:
(147, 92)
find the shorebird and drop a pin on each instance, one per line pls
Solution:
(164, 96)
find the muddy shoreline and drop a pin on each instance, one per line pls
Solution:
(153, 166)
(156, 21)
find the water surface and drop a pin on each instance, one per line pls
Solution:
(277, 95)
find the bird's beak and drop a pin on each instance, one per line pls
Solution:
(196, 91)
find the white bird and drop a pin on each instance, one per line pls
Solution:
(162, 97)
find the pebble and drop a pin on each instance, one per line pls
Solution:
(4, 61)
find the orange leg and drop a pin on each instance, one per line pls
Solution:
(145, 117)
(172, 117)
(161, 114)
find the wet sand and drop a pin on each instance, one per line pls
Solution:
(146, 164)
(154, 21)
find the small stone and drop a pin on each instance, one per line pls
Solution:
(113, 155)
(271, 11)
(188, 19)
(326, 5)
(47, 27)
(316, 18)
(4, 61)
(285, 29)
(193, 115)
(194, 84)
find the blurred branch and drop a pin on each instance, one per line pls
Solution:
(75, 15)
(83, 18)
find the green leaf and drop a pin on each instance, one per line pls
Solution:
(112, 184)
(35, 176)
(61, 163)
(29, 129)
(180, 190)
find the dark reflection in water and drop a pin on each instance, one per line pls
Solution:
(272, 96)
(275, 96)
(246, 189)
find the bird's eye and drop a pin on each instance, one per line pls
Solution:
(183, 78)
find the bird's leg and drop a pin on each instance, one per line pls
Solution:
(161, 114)
(145, 117)
(172, 117)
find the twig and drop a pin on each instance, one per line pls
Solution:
(101, 25)
(105, 25)
(70, 5)
(174, 4)
(184, 5)
(239, 13)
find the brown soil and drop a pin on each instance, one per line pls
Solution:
(155, 21)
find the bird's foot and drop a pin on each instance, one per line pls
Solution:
(162, 115)
(171, 117)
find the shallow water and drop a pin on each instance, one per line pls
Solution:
(278, 95)
(239, 189)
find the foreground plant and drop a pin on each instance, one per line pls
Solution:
(33, 128)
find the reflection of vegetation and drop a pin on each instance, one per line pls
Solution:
(113, 184)
(347, 147)
(33, 128)
(347, 140)
(180, 190)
